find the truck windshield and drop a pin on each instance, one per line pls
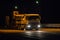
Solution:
(32, 17)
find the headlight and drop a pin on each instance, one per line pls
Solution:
(28, 26)
(38, 26)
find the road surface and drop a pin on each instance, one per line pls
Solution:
(30, 35)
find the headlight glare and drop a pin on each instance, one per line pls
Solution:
(39, 26)
(28, 26)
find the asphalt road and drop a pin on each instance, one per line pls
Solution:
(30, 35)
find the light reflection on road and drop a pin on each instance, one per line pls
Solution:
(34, 34)
(31, 34)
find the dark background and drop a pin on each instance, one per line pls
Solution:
(44, 8)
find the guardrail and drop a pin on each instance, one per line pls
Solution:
(51, 25)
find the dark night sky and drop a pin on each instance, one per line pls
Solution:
(45, 8)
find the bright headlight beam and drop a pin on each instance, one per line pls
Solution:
(39, 25)
(29, 26)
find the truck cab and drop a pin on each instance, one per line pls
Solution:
(33, 22)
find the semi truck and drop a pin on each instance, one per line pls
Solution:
(26, 21)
